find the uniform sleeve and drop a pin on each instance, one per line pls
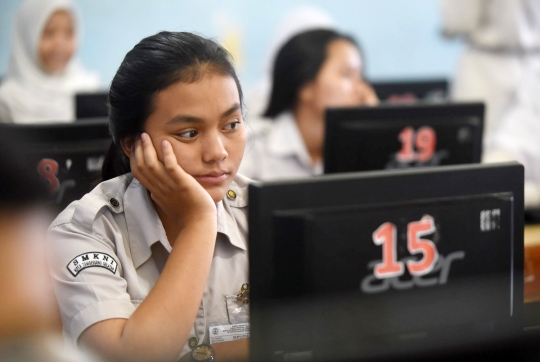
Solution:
(460, 17)
(87, 278)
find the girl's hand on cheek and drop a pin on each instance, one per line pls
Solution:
(177, 193)
(369, 97)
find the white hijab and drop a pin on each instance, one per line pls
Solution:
(28, 94)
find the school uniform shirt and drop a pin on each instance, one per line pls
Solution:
(276, 151)
(106, 252)
(503, 45)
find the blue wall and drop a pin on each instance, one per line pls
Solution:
(400, 37)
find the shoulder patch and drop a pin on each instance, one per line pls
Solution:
(92, 259)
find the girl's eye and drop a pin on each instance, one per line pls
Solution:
(232, 126)
(188, 134)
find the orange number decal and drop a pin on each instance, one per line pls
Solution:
(415, 230)
(426, 141)
(48, 169)
(406, 137)
(385, 235)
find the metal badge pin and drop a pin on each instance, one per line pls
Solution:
(193, 342)
(243, 295)
(231, 194)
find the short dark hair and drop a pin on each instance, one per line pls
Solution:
(297, 63)
(154, 64)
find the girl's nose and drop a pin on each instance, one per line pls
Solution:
(214, 149)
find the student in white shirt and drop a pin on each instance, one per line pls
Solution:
(517, 137)
(313, 71)
(43, 74)
(148, 261)
(502, 47)
(300, 19)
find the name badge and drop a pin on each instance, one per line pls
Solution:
(228, 332)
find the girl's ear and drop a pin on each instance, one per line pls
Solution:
(126, 144)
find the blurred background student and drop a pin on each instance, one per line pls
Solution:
(518, 135)
(30, 329)
(314, 70)
(503, 45)
(43, 74)
(295, 21)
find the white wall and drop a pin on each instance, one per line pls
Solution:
(400, 37)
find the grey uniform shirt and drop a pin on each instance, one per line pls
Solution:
(106, 252)
(276, 151)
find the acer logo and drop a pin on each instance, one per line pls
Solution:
(372, 284)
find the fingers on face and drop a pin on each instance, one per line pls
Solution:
(149, 170)
(144, 163)
(169, 159)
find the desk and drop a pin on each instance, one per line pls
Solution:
(532, 263)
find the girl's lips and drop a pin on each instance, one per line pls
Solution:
(212, 178)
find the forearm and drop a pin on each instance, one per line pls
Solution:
(160, 326)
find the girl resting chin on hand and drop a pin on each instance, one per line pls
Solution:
(144, 263)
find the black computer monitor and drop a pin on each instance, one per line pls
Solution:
(402, 136)
(411, 91)
(68, 156)
(385, 263)
(91, 105)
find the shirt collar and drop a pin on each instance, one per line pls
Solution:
(285, 139)
(145, 228)
(236, 197)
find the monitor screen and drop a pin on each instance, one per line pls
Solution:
(379, 263)
(402, 136)
(411, 91)
(68, 156)
(91, 105)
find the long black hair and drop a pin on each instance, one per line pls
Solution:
(151, 66)
(297, 63)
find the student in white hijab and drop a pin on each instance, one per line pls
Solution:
(43, 74)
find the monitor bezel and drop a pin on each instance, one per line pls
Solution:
(267, 198)
(397, 112)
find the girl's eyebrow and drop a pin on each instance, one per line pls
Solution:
(193, 119)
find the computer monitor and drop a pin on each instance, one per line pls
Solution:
(402, 136)
(411, 91)
(91, 105)
(68, 156)
(385, 263)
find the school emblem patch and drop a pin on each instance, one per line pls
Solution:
(92, 259)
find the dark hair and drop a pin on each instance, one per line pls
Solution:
(151, 66)
(296, 64)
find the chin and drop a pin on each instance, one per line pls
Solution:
(216, 193)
